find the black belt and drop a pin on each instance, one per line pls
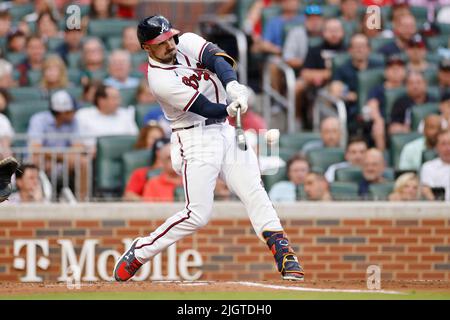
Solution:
(207, 123)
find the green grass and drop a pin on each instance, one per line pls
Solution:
(227, 296)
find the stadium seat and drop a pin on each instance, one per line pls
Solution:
(19, 113)
(379, 42)
(297, 140)
(16, 57)
(26, 94)
(428, 155)
(439, 41)
(420, 13)
(141, 111)
(321, 159)
(108, 163)
(397, 142)
(367, 80)
(114, 43)
(179, 194)
(241, 9)
(17, 12)
(354, 174)
(270, 180)
(330, 11)
(420, 112)
(128, 96)
(391, 96)
(99, 75)
(54, 43)
(315, 41)
(344, 191)
(74, 59)
(285, 153)
(444, 28)
(301, 195)
(74, 75)
(381, 191)
(134, 159)
(104, 28)
(339, 60)
(351, 174)
(138, 58)
(431, 76)
(75, 91)
(34, 77)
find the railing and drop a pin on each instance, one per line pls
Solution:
(269, 93)
(68, 170)
(241, 41)
(326, 106)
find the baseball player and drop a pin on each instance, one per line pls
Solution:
(191, 79)
(8, 167)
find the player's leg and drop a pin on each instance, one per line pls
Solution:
(241, 173)
(199, 180)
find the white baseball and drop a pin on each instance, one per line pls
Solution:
(272, 136)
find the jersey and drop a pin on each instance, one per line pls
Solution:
(177, 86)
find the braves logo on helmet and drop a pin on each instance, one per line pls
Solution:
(164, 27)
(155, 29)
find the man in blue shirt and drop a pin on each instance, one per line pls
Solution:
(45, 127)
(273, 33)
(359, 51)
(57, 129)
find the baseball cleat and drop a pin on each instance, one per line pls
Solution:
(8, 167)
(285, 259)
(127, 265)
(291, 269)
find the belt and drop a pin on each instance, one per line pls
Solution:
(207, 123)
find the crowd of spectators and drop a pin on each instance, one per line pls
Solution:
(95, 86)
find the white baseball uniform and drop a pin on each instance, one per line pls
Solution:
(203, 153)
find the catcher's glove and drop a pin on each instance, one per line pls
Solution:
(8, 167)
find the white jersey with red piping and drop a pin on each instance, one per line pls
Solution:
(177, 86)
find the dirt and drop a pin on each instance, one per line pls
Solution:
(165, 286)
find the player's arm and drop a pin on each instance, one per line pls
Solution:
(202, 106)
(219, 62)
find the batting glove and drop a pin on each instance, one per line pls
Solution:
(232, 109)
(238, 92)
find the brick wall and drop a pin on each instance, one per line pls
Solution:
(337, 248)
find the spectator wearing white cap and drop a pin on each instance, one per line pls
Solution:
(58, 120)
(57, 128)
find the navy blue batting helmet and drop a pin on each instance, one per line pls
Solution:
(155, 29)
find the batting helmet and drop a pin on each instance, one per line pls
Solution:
(155, 29)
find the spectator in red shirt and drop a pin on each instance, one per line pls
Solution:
(135, 186)
(161, 188)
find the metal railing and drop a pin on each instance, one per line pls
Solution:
(326, 105)
(269, 93)
(223, 23)
(69, 169)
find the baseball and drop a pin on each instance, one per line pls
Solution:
(272, 136)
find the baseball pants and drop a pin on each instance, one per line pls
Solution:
(201, 155)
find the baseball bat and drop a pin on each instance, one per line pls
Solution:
(240, 137)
